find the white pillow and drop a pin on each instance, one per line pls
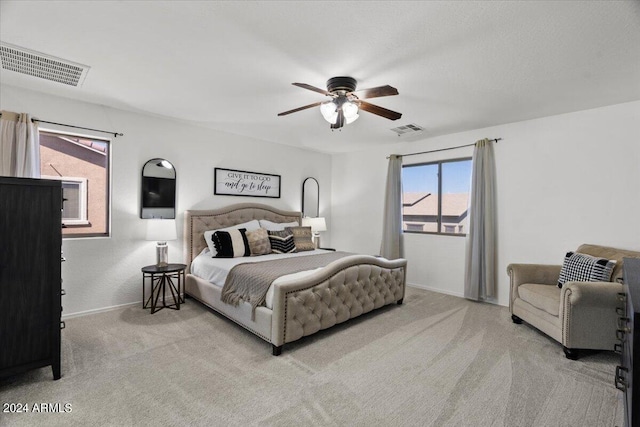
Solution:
(250, 226)
(276, 226)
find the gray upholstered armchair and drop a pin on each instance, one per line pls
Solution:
(580, 315)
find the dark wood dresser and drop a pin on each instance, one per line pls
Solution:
(627, 374)
(30, 274)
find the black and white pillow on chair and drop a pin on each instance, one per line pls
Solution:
(579, 267)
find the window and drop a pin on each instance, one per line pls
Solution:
(82, 164)
(435, 197)
(74, 193)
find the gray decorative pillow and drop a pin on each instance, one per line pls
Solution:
(302, 238)
(282, 242)
(259, 242)
(579, 267)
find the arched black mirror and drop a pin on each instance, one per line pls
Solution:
(158, 190)
(310, 197)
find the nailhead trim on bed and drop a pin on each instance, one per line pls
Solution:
(373, 289)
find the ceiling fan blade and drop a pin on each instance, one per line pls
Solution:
(389, 114)
(313, 88)
(376, 92)
(295, 110)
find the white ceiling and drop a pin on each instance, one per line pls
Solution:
(230, 65)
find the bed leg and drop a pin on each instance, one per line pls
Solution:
(571, 353)
(400, 301)
(276, 350)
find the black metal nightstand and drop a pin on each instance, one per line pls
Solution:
(160, 278)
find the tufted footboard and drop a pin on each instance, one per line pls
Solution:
(345, 289)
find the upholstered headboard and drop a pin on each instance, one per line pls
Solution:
(196, 222)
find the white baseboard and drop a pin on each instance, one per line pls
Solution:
(103, 309)
(439, 290)
(455, 294)
(99, 310)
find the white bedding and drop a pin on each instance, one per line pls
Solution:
(215, 270)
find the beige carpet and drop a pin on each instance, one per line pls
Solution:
(437, 360)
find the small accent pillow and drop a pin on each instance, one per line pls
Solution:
(231, 244)
(579, 267)
(259, 242)
(282, 242)
(249, 226)
(302, 238)
(276, 226)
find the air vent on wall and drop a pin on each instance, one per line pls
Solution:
(409, 129)
(21, 60)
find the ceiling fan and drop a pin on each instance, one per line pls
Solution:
(346, 101)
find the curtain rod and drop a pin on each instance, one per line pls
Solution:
(444, 149)
(115, 134)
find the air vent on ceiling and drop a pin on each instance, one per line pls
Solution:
(46, 67)
(409, 129)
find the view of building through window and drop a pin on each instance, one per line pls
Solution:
(435, 197)
(82, 164)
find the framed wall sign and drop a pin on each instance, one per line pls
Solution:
(231, 182)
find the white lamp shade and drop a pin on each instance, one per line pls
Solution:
(329, 111)
(161, 230)
(316, 224)
(351, 119)
(350, 110)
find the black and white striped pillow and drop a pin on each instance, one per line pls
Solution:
(579, 267)
(282, 242)
(231, 243)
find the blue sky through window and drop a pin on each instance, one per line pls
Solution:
(456, 178)
(420, 179)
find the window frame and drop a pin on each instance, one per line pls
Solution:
(108, 183)
(82, 188)
(439, 213)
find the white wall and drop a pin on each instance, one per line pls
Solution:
(562, 181)
(105, 272)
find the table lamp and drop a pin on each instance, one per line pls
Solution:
(161, 230)
(317, 224)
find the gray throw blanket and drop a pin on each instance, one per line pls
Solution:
(250, 281)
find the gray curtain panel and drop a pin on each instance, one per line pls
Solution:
(480, 262)
(392, 246)
(19, 146)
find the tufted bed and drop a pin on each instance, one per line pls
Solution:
(344, 289)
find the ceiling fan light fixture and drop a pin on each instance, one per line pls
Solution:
(329, 111)
(350, 111)
(346, 102)
(349, 120)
